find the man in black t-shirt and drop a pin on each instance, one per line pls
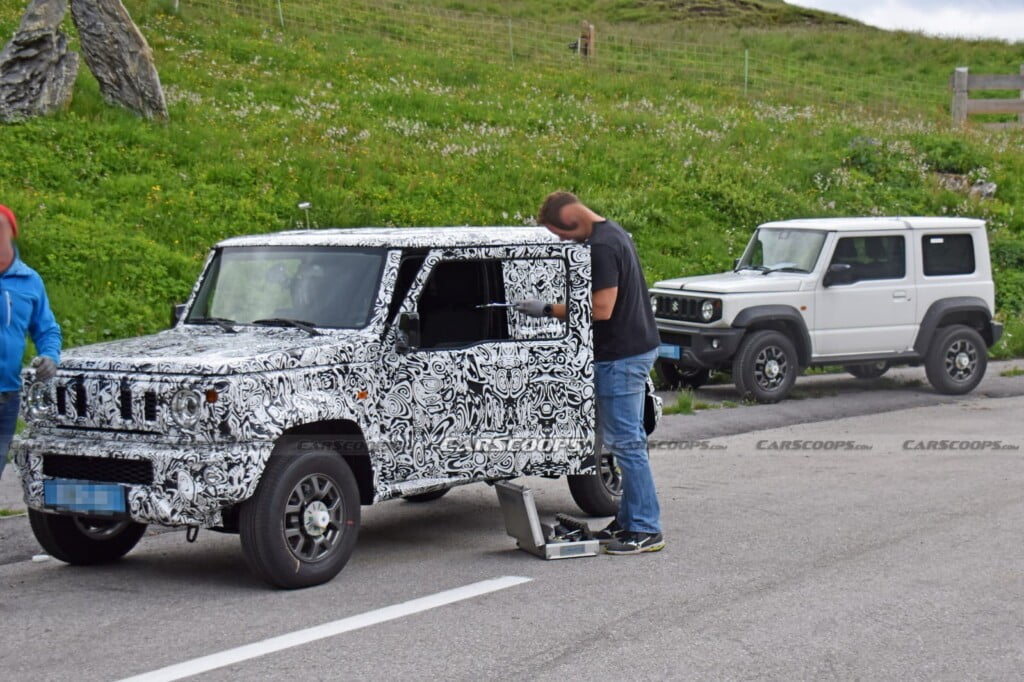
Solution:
(625, 345)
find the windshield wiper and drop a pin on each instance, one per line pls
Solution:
(786, 268)
(222, 322)
(288, 322)
(759, 268)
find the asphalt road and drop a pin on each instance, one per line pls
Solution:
(817, 545)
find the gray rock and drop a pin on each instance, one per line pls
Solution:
(983, 190)
(37, 73)
(119, 57)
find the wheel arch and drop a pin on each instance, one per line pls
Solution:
(781, 318)
(966, 310)
(344, 437)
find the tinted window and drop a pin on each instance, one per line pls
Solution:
(450, 309)
(947, 254)
(873, 257)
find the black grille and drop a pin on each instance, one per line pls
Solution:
(99, 469)
(683, 308)
(80, 401)
(126, 401)
(62, 400)
(150, 410)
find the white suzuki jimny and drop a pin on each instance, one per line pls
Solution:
(313, 372)
(865, 293)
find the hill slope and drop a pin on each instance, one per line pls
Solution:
(418, 124)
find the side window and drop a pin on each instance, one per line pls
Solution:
(450, 305)
(947, 254)
(546, 279)
(873, 257)
(407, 271)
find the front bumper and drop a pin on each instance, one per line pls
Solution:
(701, 347)
(190, 484)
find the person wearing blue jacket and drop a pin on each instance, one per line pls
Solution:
(24, 309)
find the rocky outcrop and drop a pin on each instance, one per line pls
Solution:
(37, 73)
(119, 57)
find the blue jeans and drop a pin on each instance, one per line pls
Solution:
(621, 386)
(8, 422)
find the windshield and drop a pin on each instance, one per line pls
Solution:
(775, 249)
(316, 286)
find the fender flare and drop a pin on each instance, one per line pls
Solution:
(776, 315)
(939, 310)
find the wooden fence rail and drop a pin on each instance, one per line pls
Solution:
(964, 82)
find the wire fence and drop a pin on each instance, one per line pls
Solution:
(516, 41)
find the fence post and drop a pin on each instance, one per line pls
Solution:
(746, 70)
(280, 13)
(1020, 116)
(960, 96)
(511, 45)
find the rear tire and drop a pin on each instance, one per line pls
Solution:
(868, 370)
(427, 497)
(673, 376)
(599, 493)
(765, 366)
(84, 540)
(956, 360)
(301, 525)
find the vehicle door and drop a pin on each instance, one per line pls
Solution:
(482, 382)
(865, 305)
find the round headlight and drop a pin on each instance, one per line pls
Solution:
(39, 401)
(185, 407)
(707, 310)
(654, 304)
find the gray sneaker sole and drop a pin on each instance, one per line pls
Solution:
(656, 547)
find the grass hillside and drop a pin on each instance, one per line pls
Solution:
(387, 125)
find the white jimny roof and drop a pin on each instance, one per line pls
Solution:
(399, 237)
(859, 224)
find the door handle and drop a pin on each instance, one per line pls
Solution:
(900, 295)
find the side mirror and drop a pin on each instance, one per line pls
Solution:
(838, 273)
(409, 332)
(735, 264)
(177, 310)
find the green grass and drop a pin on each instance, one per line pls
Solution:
(117, 213)
(1012, 372)
(11, 512)
(683, 404)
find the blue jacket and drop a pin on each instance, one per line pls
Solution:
(24, 308)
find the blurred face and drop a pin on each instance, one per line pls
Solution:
(6, 233)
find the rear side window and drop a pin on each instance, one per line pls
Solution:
(947, 254)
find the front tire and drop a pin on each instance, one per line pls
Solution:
(84, 540)
(301, 525)
(599, 493)
(956, 360)
(765, 366)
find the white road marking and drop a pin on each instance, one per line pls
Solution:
(300, 637)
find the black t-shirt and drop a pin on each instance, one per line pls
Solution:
(614, 263)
